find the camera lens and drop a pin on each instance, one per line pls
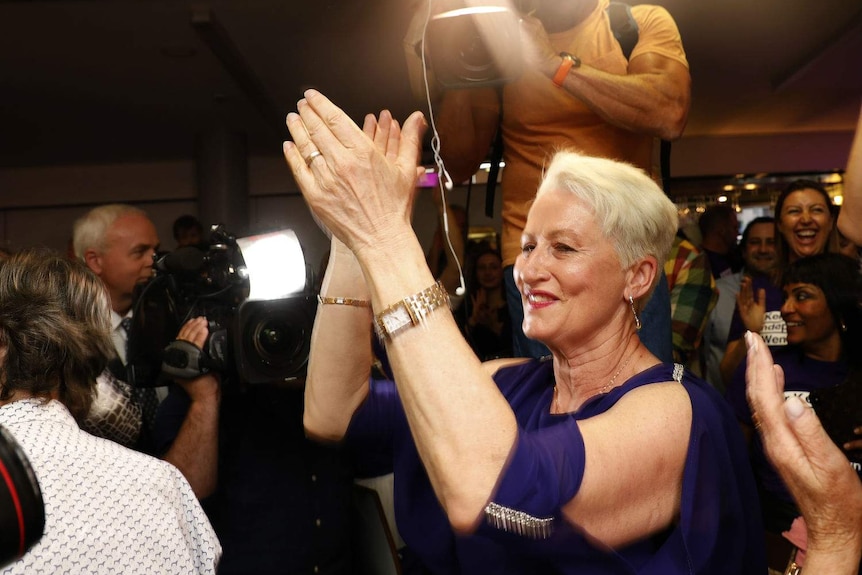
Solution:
(275, 340)
(474, 55)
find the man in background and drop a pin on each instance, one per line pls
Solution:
(188, 231)
(758, 255)
(692, 297)
(578, 90)
(719, 226)
(118, 242)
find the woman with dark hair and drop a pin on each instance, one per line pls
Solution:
(108, 509)
(824, 337)
(804, 226)
(805, 222)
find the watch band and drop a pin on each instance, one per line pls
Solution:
(410, 311)
(568, 62)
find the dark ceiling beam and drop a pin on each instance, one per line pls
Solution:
(217, 39)
(834, 48)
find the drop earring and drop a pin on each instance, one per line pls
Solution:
(635, 313)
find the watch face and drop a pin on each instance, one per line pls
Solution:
(396, 319)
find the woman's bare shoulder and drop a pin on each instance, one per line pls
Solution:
(668, 398)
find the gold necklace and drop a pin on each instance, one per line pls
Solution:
(556, 402)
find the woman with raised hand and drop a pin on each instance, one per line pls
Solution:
(804, 226)
(824, 336)
(599, 460)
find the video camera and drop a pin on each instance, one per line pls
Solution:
(22, 511)
(255, 293)
(472, 43)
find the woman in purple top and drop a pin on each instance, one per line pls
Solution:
(824, 322)
(599, 459)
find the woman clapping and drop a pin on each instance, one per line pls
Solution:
(601, 460)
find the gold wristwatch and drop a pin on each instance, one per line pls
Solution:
(410, 311)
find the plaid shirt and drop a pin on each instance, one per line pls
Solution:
(692, 297)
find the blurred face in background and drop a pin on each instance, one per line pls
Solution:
(759, 249)
(489, 271)
(805, 222)
(731, 231)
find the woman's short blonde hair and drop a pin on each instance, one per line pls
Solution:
(55, 329)
(633, 213)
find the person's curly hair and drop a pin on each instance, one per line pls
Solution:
(55, 329)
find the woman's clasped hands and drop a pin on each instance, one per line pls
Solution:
(358, 182)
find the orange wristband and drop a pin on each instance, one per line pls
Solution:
(567, 64)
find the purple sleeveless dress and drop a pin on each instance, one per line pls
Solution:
(719, 529)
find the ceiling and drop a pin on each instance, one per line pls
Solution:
(129, 80)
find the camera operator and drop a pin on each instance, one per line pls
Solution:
(578, 89)
(282, 503)
(117, 243)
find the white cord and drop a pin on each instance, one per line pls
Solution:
(445, 180)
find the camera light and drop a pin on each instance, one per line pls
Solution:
(474, 10)
(275, 265)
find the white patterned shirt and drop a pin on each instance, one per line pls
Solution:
(108, 509)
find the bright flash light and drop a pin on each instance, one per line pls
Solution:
(721, 199)
(275, 265)
(473, 10)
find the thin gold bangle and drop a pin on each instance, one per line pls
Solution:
(343, 301)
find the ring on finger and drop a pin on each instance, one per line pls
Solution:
(311, 157)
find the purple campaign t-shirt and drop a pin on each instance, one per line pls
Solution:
(802, 375)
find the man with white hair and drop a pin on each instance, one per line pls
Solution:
(118, 242)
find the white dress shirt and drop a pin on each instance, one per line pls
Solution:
(108, 509)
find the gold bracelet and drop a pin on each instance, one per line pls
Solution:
(343, 301)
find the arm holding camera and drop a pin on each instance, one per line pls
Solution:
(194, 451)
(653, 97)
